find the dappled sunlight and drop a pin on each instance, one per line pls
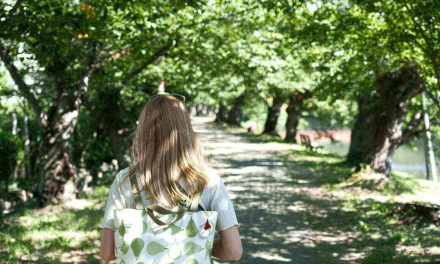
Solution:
(63, 233)
(77, 204)
(270, 256)
(292, 206)
(287, 204)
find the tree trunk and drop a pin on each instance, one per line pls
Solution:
(56, 125)
(377, 131)
(294, 110)
(107, 109)
(222, 114)
(235, 114)
(54, 163)
(199, 110)
(273, 114)
(27, 150)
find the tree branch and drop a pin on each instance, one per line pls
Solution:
(146, 63)
(18, 80)
(411, 131)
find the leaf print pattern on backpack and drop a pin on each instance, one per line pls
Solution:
(124, 247)
(190, 248)
(154, 248)
(191, 261)
(122, 229)
(173, 229)
(136, 245)
(191, 229)
(141, 240)
(145, 226)
(174, 251)
(208, 247)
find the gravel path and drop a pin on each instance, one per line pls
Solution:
(285, 215)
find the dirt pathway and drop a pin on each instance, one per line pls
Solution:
(285, 215)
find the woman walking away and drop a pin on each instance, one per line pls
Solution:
(168, 179)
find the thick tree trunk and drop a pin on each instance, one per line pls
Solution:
(56, 125)
(273, 114)
(235, 114)
(222, 114)
(54, 165)
(294, 109)
(378, 129)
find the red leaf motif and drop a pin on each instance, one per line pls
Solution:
(207, 225)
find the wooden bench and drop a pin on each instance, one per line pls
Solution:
(305, 140)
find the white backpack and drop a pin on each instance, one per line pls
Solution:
(152, 234)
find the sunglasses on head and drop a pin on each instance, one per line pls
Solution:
(178, 96)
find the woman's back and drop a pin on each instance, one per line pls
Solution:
(214, 197)
(169, 166)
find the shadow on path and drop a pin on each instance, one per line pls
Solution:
(283, 206)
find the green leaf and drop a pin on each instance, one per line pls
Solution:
(124, 247)
(136, 245)
(191, 248)
(191, 229)
(122, 228)
(174, 251)
(157, 231)
(144, 226)
(208, 247)
(208, 213)
(174, 229)
(191, 261)
(154, 248)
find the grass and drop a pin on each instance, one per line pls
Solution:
(54, 234)
(393, 240)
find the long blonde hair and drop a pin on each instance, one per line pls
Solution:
(165, 148)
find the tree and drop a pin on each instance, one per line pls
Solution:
(379, 126)
(60, 47)
(367, 57)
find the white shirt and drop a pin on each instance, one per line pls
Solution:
(215, 197)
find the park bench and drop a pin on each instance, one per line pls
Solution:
(305, 140)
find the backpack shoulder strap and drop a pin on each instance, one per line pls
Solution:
(135, 191)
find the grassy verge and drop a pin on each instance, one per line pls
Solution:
(66, 233)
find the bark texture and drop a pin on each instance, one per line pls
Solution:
(273, 113)
(222, 114)
(56, 125)
(235, 114)
(294, 109)
(379, 126)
